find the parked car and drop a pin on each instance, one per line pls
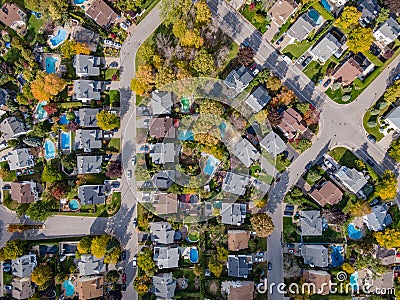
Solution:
(123, 277)
(280, 40)
(286, 59)
(8, 287)
(134, 262)
(289, 207)
(370, 162)
(307, 61)
(309, 165)
(371, 139)
(108, 42)
(134, 223)
(8, 269)
(128, 23)
(123, 255)
(133, 161)
(269, 266)
(124, 287)
(6, 265)
(144, 148)
(301, 59)
(374, 202)
(117, 45)
(397, 77)
(290, 245)
(129, 174)
(328, 163)
(6, 187)
(245, 44)
(123, 26)
(327, 83)
(288, 213)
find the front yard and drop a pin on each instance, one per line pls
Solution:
(370, 120)
(256, 15)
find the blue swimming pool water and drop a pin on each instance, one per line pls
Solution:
(49, 149)
(336, 256)
(185, 135)
(326, 5)
(59, 38)
(222, 128)
(211, 164)
(313, 14)
(79, 1)
(65, 140)
(353, 232)
(353, 281)
(193, 255)
(69, 288)
(63, 120)
(51, 64)
(41, 114)
(73, 204)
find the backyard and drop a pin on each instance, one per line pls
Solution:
(256, 15)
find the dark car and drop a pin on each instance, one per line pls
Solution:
(123, 277)
(289, 207)
(7, 187)
(371, 139)
(280, 40)
(309, 165)
(6, 265)
(144, 148)
(123, 255)
(288, 212)
(306, 61)
(245, 44)
(397, 77)
(7, 269)
(124, 287)
(134, 223)
(290, 245)
(269, 266)
(370, 162)
(326, 83)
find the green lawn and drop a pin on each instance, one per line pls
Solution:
(113, 97)
(296, 50)
(231, 56)
(315, 71)
(344, 156)
(114, 144)
(259, 13)
(283, 29)
(110, 73)
(290, 234)
(34, 25)
(322, 11)
(281, 163)
(338, 95)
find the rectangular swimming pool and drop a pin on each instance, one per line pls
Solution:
(51, 64)
(211, 164)
(65, 140)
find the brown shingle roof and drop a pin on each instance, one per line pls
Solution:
(9, 14)
(328, 193)
(101, 13)
(291, 122)
(21, 192)
(238, 239)
(241, 291)
(90, 287)
(318, 278)
(165, 204)
(282, 10)
(348, 72)
(163, 128)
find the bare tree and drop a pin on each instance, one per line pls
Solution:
(245, 56)
(221, 56)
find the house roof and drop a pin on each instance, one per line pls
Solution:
(386, 256)
(164, 179)
(162, 153)
(325, 48)
(235, 183)
(89, 287)
(23, 266)
(89, 164)
(282, 10)
(20, 159)
(239, 79)
(311, 223)
(379, 218)
(291, 122)
(24, 192)
(394, 118)
(369, 10)
(241, 290)
(351, 179)
(162, 232)
(87, 89)
(87, 36)
(22, 288)
(11, 13)
(91, 194)
(87, 65)
(87, 117)
(273, 143)
(390, 29)
(166, 257)
(258, 99)
(12, 127)
(90, 265)
(233, 213)
(348, 72)
(100, 12)
(239, 265)
(88, 139)
(315, 255)
(4, 96)
(165, 203)
(164, 285)
(320, 279)
(246, 152)
(238, 239)
(302, 27)
(327, 193)
(163, 128)
(161, 102)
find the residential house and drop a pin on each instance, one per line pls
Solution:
(310, 223)
(326, 47)
(240, 290)
(291, 123)
(166, 257)
(338, 3)
(258, 98)
(22, 288)
(301, 28)
(387, 32)
(164, 286)
(20, 159)
(351, 179)
(246, 152)
(165, 204)
(273, 144)
(87, 117)
(379, 217)
(89, 287)
(239, 79)
(12, 128)
(88, 139)
(238, 240)
(25, 191)
(4, 97)
(164, 179)
(240, 265)
(281, 11)
(14, 17)
(92, 194)
(369, 9)
(163, 128)
(235, 183)
(87, 90)
(89, 164)
(393, 119)
(23, 266)
(326, 193)
(348, 72)
(162, 233)
(233, 213)
(163, 153)
(161, 103)
(68, 248)
(189, 204)
(101, 13)
(320, 280)
(91, 265)
(386, 256)
(87, 65)
(315, 255)
(87, 36)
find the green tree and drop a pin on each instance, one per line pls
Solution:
(222, 254)
(40, 210)
(273, 83)
(107, 120)
(313, 176)
(112, 276)
(394, 150)
(387, 186)
(179, 28)
(349, 17)
(42, 276)
(384, 14)
(262, 224)
(215, 267)
(359, 208)
(85, 245)
(99, 244)
(360, 39)
(51, 174)
(360, 165)
(390, 238)
(174, 10)
(393, 92)
(203, 64)
(13, 249)
(146, 263)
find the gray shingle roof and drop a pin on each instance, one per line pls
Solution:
(233, 213)
(87, 117)
(315, 255)
(235, 183)
(379, 218)
(89, 164)
(301, 28)
(351, 179)
(162, 153)
(273, 144)
(311, 223)
(87, 65)
(12, 127)
(164, 179)
(23, 266)
(390, 29)
(90, 265)
(246, 152)
(85, 90)
(92, 194)
(20, 159)
(325, 48)
(3, 97)
(394, 118)
(369, 9)
(166, 257)
(162, 232)
(88, 139)
(239, 79)
(22, 288)
(258, 99)
(164, 285)
(161, 102)
(239, 265)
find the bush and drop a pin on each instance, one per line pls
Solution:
(346, 98)
(372, 124)
(374, 112)
(381, 105)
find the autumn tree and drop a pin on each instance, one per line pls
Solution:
(197, 270)
(222, 254)
(202, 11)
(262, 224)
(273, 83)
(284, 98)
(179, 28)
(261, 117)
(359, 39)
(393, 92)
(142, 284)
(383, 15)
(145, 261)
(171, 11)
(274, 118)
(386, 188)
(360, 208)
(71, 48)
(164, 76)
(192, 38)
(349, 17)
(394, 150)
(215, 267)
(42, 276)
(245, 56)
(50, 109)
(203, 64)
(393, 5)
(46, 86)
(13, 249)
(348, 268)
(311, 117)
(58, 189)
(390, 238)
(114, 169)
(85, 245)
(144, 80)
(99, 245)
(107, 120)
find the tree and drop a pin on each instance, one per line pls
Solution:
(46, 86)
(394, 150)
(85, 245)
(164, 76)
(387, 186)
(146, 263)
(373, 264)
(215, 267)
(203, 64)
(13, 249)
(71, 48)
(179, 28)
(58, 189)
(245, 56)
(261, 117)
(348, 268)
(360, 165)
(42, 275)
(384, 14)
(203, 12)
(222, 254)
(313, 176)
(360, 208)
(51, 174)
(171, 11)
(99, 244)
(197, 270)
(192, 38)
(50, 108)
(143, 81)
(40, 210)
(273, 83)
(393, 92)
(284, 98)
(142, 284)
(334, 216)
(390, 238)
(112, 276)
(107, 120)
(311, 117)
(274, 118)
(114, 169)
(127, 5)
(392, 5)
(349, 17)
(360, 39)
(262, 224)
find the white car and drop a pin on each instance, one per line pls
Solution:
(133, 161)
(134, 262)
(108, 42)
(117, 45)
(129, 174)
(123, 26)
(328, 164)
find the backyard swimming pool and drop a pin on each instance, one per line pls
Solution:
(353, 232)
(69, 288)
(313, 14)
(185, 135)
(49, 149)
(336, 256)
(77, 2)
(65, 142)
(211, 164)
(326, 5)
(354, 281)
(59, 38)
(185, 101)
(40, 113)
(194, 255)
(73, 204)
(63, 120)
(51, 64)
